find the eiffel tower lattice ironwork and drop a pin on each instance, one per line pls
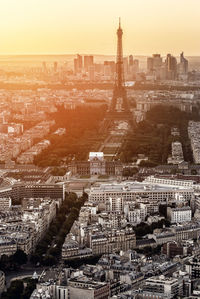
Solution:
(119, 101)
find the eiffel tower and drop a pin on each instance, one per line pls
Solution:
(119, 108)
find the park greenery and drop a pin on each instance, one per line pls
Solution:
(152, 137)
(49, 248)
(58, 171)
(149, 251)
(129, 171)
(160, 86)
(13, 262)
(20, 289)
(82, 125)
(143, 229)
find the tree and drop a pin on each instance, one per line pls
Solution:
(20, 257)
(49, 260)
(15, 290)
(129, 171)
(81, 124)
(46, 253)
(152, 137)
(31, 286)
(147, 163)
(35, 258)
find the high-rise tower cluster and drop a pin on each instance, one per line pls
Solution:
(169, 69)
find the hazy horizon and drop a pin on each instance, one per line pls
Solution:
(47, 27)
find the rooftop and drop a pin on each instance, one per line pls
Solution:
(137, 186)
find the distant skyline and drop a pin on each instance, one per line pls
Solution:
(89, 26)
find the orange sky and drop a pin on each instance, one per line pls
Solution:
(89, 26)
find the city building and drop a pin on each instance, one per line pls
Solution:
(177, 153)
(193, 267)
(171, 67)
(88, 62)
(169, 181)
(8, 246)
(96, 165)
(193, 129)
(23, 227)
(172, 249)
(71, 250)
(115, 204)
(2, 281)
(5, 203)
(78, 64)
(179, 215)
(53, 191)
(83, 287)
(129, 190)
(162, 287)
(183, 68)
(112, 240)
(154, 63)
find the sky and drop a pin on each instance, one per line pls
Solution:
(89, 26)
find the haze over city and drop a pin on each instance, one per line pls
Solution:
(68, 27)
(99, 149)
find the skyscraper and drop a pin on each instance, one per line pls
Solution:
(78, 64)
(133, 67)
(75, 65)
(80, 61)
(125, 67)
(88, 62)
(91, 71)
(157, 60)
(44, 66)
(183, 66)
(109, 67)
(171, 67)
(136, 65)
(150, 64)
(55, 66)
(154, 63)
(130, 60)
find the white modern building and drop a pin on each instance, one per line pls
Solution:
(164, 181)
(130, 190)
(179, 215)
(177, 153)
(116, 204)
(166, 287)
(193, 133)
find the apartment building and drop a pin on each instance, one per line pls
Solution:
(179, 215)
(162, 287)
(130, 190)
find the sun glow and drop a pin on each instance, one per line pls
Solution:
(70, 26)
